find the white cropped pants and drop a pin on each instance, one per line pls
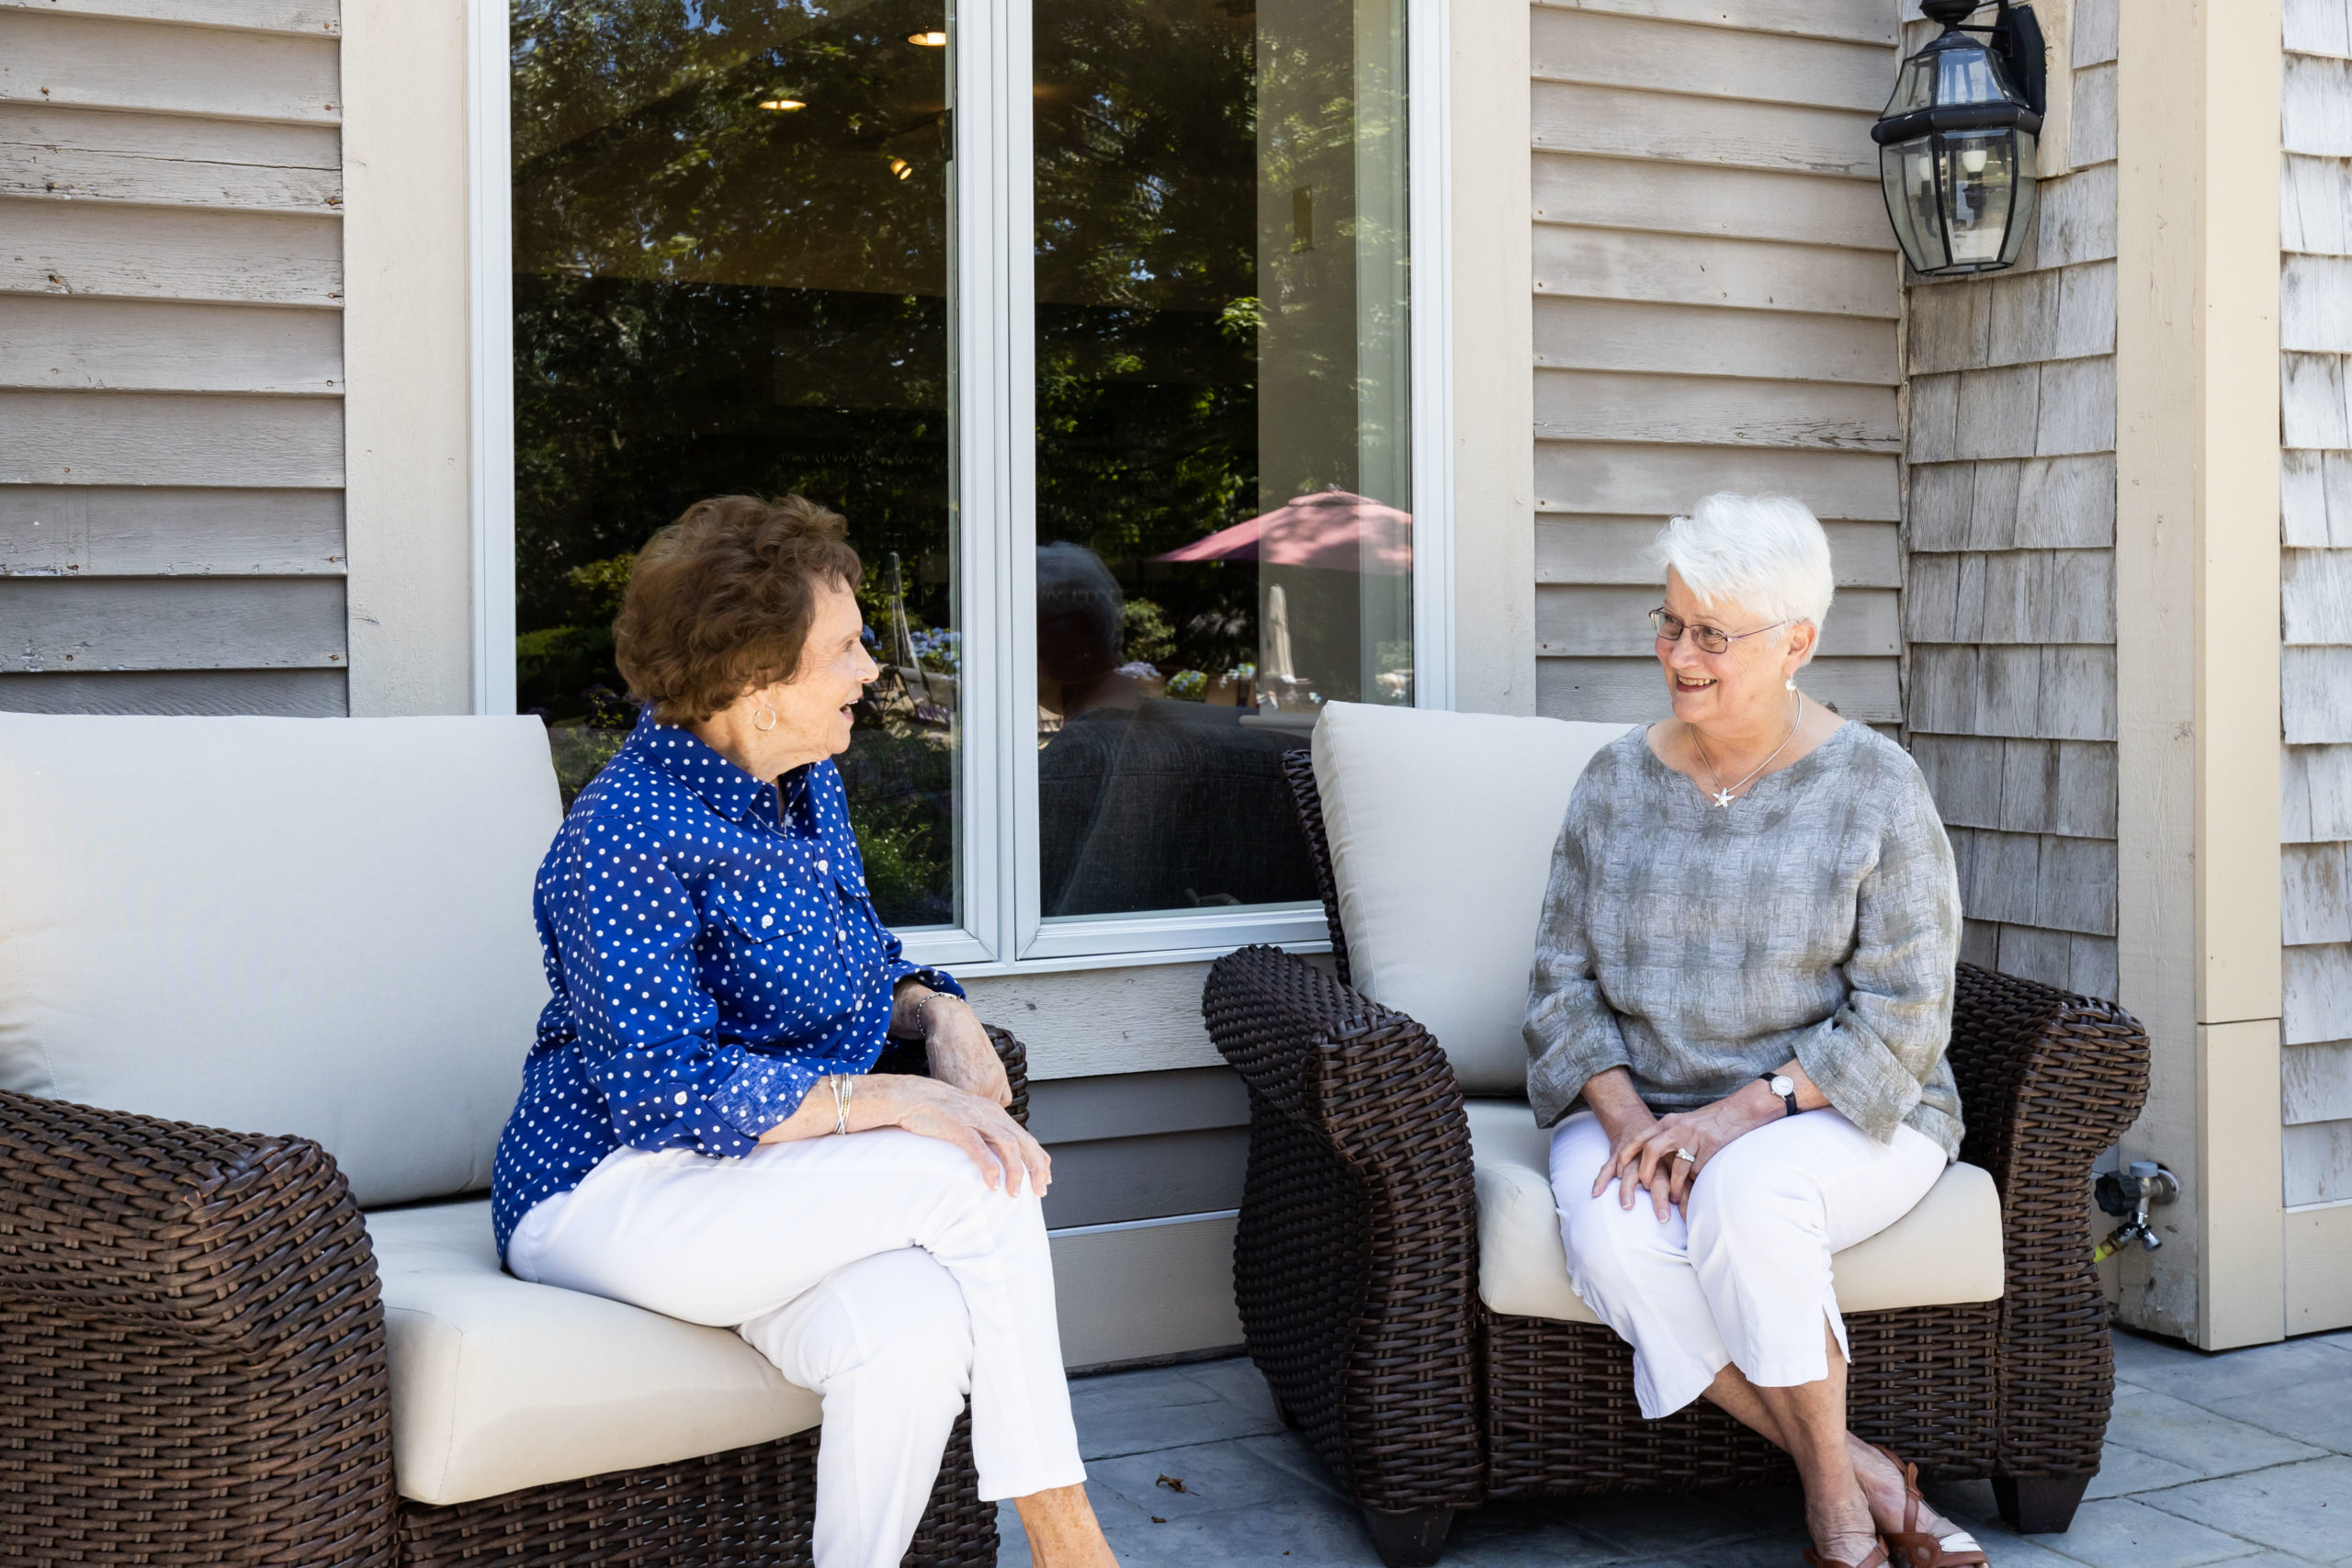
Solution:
(877, 1270)
(1740, 1274)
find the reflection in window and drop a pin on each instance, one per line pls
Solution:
(731, 274)
(1223, 487)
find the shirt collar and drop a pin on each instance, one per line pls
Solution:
(681, 754)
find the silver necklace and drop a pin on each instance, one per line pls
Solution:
(1725, 794)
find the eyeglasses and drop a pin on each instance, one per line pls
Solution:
(1715, 639)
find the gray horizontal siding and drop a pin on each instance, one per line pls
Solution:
(1142, 1145)
(53, 56)
(313, 17)
(171, 622)
(171, 357)
(168, 159)
(290, 693)
(2010, 592)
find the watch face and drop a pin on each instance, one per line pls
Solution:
(1784, 1086)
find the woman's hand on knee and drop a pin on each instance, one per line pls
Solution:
(999, 1146)
(1705, 1133)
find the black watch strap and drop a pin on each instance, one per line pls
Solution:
(1789, 1099)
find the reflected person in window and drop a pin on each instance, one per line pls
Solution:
(1146, 803)
(1737, 1019)
(700, 1131)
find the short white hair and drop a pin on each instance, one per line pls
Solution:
(1766, 552)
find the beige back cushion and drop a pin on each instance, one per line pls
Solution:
(279, 925)
(1441, 827)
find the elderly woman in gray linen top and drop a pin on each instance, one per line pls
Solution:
(1736, 1022)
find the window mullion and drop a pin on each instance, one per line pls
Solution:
(994, 526)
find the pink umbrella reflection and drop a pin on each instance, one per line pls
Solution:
(1331, 529)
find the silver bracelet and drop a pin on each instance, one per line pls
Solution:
(843, 1087)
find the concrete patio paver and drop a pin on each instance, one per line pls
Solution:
(2244, 1459)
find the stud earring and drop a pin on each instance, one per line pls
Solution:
(1791, 682)
(765, 720)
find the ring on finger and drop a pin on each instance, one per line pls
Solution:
(1686, 1154)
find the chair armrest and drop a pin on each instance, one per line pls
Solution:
(1016, 1057)
(2047, 1082)
(197, 1343)
(1355, 1263)
(221, 1239)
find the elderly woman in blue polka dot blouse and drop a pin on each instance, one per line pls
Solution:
(700, 1132)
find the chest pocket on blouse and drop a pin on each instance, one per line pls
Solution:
(759, 910)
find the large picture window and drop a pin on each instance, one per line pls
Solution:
(1091, 317)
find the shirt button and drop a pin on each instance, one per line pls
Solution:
(822, 867)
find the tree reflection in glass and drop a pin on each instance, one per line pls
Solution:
(1222, 440)
(718, 292)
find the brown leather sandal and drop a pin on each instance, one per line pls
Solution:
(1914, 1548)
(1877, 1559)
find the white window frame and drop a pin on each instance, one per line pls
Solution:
(1003, 930)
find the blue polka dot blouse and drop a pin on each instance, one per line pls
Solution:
(713, 954)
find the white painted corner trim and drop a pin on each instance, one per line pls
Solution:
(491, 255)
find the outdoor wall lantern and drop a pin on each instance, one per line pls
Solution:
(1956, 144)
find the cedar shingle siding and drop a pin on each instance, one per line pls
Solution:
(2316, 568)
(2010, 606)
(171, 357)
(1716, 307)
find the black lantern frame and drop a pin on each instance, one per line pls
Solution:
(1958, 142)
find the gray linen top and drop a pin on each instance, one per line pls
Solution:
(1816, 918)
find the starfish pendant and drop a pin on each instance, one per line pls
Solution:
(1723, 798)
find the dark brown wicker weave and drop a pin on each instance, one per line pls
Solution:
(1355, 1266)
(192, 1372)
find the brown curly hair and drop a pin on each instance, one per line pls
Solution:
(719, 602)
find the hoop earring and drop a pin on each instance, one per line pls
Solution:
(765, 720)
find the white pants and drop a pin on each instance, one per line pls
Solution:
(877, 1270)
(1739, 1274)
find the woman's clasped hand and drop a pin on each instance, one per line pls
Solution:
(1010, 1160)
(1645, 1149)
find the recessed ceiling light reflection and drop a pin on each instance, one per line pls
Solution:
(782, 104)
(928, 40)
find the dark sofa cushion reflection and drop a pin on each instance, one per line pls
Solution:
(1167, 806)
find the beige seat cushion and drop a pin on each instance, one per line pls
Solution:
(319, 926)
(498, 1384)
(1948, 1249)
(1441, 827)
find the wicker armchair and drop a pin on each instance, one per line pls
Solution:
(1356, 1269)
(193, 1370)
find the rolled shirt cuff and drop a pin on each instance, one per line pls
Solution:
(939, 980)
(1861, 1079)
(761, 1094)
(1555, 1079)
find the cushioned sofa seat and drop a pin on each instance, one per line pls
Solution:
(498, 1384)
(1947, 1250)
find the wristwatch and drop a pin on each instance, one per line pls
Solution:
(1786, 1087)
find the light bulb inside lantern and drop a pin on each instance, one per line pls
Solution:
(931, 39)
(1972, 159)
(901, 168)
(782, 105)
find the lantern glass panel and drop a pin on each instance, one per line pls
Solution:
(1907, 170)
(1979, 175)
(1968, 75)
(2028, 191)
(1915, 85)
